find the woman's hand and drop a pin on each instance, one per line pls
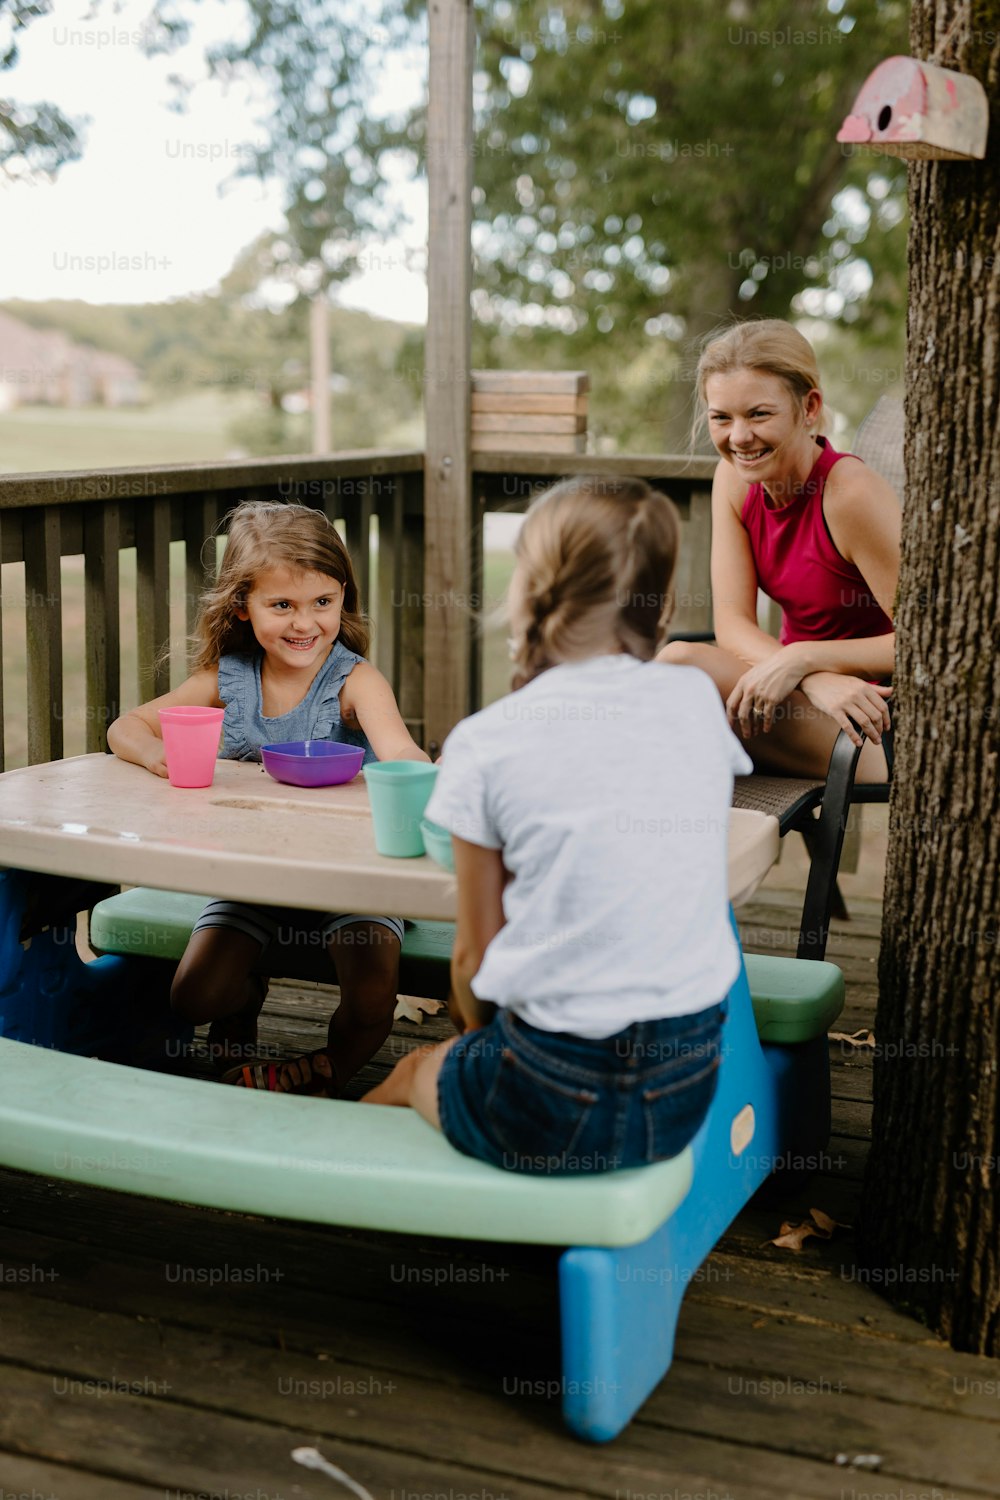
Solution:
(752, 703)
(845, 698)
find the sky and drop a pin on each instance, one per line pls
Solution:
(146, 214)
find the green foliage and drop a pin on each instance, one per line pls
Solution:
(645, 171)
(317, 59)
(628, 153)
(34, 138)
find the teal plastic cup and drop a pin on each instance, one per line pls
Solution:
(398, 791)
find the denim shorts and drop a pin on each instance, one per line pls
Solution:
(547, 1102)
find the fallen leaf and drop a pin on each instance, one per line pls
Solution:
(792, 1236)
(825, 1222)
(860, 1039)
(819, 1224)
(414, 1008)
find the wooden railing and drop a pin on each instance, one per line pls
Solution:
(45, 518)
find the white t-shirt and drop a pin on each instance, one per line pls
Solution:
(607, 784)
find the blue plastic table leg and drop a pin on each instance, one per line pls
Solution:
(114, 1008)
(619, 1308)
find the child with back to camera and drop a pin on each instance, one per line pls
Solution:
(589, 814)
(281, 647)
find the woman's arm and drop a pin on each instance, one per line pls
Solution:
(734, 575)
(367, 702)
(136, 735)
(481, 879)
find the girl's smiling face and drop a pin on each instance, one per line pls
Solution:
(294, 615)
(758, 426)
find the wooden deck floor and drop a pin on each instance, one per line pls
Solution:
(147, 1349)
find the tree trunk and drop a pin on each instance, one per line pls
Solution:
(930, 1225)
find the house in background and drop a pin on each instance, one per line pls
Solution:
(43, 367)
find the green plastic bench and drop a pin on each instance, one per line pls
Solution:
(794, 1000)
(323, 1161)
(632, 1240)
(147, 923)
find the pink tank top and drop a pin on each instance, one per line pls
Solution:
(823, 597)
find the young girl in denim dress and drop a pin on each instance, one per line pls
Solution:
(589, 814)
(281, 646)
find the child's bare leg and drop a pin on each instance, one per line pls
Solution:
(802, 737)
(366, 957)
(215, 982)
(413, 1082)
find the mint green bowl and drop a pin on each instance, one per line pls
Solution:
(437, 842)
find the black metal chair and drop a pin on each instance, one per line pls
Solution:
(793, 801)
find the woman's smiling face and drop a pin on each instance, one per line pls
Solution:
(757, 425)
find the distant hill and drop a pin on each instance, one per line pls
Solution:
(221, 343)
(192, 340)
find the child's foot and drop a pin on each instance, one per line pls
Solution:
(312, 1075)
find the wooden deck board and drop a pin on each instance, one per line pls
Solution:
(418, 1366)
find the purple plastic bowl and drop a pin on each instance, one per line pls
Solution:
(312, 762)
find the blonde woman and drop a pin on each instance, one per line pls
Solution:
(819, 533)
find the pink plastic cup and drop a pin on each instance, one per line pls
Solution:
(191, 738)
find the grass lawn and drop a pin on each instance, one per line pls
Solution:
(192, 428)
(496, 662)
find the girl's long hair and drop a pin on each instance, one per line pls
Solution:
(266, 534)
(596, 559)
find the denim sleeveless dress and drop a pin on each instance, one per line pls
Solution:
(244, 729)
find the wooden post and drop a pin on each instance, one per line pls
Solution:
(319, 362)
(101, 544)
(447, 465)
(152, 561)
(43, 614)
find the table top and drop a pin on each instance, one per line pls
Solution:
(249, 838)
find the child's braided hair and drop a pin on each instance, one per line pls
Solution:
(596, 557)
